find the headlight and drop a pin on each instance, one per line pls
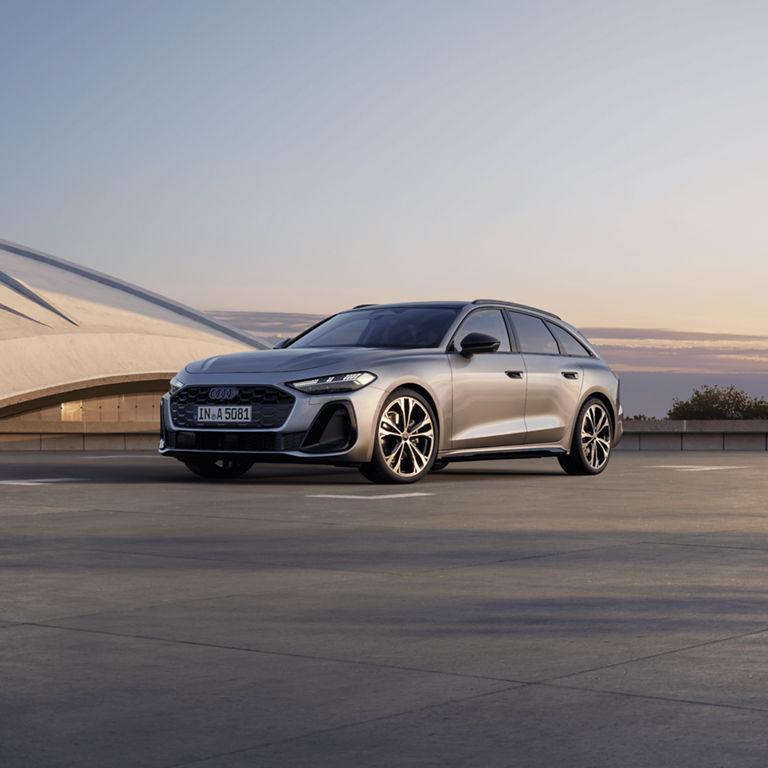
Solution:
(175, 386)
(339, 382)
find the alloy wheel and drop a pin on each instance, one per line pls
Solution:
(406, 436)
(596, 436)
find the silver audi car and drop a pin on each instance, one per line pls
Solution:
(398, 391)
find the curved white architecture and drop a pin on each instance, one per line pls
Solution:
(67, 332)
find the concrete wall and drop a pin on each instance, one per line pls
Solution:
(112, 423)
(697, 435)
(123, 441)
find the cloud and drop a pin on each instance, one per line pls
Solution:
(666, 333)
(670, 351)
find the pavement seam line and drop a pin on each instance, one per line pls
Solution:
(169, 513)
(650, 697)
(11, 625)
(552, 681)
(343, 726)
(286, 654)
(523, 558)
(197, 558)
(708, 546)
(437, 705)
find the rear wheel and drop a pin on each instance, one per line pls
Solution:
(592, 440)
(406, 440)
(219, 469)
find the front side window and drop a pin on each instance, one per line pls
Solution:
(533, 335)
(487, 321)
(395, 327)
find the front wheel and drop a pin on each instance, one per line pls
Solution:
(592, 440)
(405, 443)
(219, 469)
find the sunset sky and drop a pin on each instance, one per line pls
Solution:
(605, 160)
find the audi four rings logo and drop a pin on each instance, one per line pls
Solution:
(223, 393)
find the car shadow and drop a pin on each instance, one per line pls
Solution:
(133, 470)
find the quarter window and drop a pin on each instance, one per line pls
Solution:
(533, 335)
(569, 345)
(489, 322)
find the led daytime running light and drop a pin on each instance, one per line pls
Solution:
(337, 382)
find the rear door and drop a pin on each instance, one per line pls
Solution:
(554, 379)
(488, 389)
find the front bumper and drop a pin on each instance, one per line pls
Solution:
(322, 429)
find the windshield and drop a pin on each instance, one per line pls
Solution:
(397, 327)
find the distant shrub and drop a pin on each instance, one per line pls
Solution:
(640, 417)
(714, 402)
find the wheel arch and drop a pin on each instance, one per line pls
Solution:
(377, 470)
(606, 401)
(428, 396)
(578, 462)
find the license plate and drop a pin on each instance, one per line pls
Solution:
(223, 413)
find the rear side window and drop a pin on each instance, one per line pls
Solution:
(533, 334)
(569, 345)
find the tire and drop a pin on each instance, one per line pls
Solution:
(405, 442)
(439, 464)
(592, 440)
(219, 469)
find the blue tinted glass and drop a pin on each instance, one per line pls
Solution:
(568, 344)
(533, 334)
(403, 327)
(487, 321)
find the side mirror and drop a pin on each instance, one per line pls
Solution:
(478, 344)
(283, 343)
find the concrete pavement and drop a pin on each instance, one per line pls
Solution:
(498, 614)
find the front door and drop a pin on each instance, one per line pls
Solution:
(488, 389)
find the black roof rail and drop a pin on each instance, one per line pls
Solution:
(360, 306)
(516, 306)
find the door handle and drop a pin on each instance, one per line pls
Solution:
(570, 374)
(514, 374)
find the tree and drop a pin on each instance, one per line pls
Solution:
(715, 402)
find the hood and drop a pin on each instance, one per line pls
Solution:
(279, 360)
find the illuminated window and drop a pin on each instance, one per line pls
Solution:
(72, 411)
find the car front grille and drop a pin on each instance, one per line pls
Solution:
(270, 407)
